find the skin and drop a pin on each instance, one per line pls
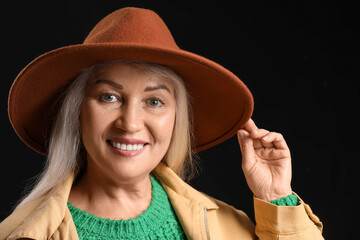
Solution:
(118, 187)
(122, 102)
(266, 162)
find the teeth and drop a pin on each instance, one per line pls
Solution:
(127, 147)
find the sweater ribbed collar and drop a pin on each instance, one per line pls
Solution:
(158, 219)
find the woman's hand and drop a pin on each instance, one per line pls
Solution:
(266, 162)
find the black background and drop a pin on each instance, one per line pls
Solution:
(300, 59)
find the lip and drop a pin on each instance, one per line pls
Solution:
(128, 140)
(124, 153)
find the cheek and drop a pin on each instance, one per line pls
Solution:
(85, 125)
(164, 127)
(91, 121)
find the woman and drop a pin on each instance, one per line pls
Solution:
(121, 143)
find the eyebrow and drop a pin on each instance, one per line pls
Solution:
(104, 81)
(157, 87)
(119, 86)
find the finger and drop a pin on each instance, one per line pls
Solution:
(245, 140)
(257, 143)
(267, 144)
(267, 140)
(250, 126)
(272, 154)
(280, 142)
(247, 147)
(275, 139)
(259, 133)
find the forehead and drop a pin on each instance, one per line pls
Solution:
(124, 72)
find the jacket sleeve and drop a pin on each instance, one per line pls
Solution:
(286, 222)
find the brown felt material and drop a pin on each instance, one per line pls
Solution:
(221, 102)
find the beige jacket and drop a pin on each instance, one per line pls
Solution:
(202, 217)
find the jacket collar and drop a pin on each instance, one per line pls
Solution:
(43, 216)
(191, 206)
(173, 184)
(51, 209)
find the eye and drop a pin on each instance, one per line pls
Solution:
(108, 97)
(154, 102)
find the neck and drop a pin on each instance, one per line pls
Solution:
(102, 196)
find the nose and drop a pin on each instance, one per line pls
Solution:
(130, 118)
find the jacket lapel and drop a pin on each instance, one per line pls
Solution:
(189, 204)
(50, 211)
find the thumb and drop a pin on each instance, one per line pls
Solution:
(246, 145)
(245, 141)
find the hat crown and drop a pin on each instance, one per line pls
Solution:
(134, 26)
(128, 34)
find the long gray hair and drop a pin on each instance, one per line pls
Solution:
(65, 146)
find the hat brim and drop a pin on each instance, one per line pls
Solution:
(221, 102)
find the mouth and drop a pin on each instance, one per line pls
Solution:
(127, 147)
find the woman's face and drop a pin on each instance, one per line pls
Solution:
(127, 119)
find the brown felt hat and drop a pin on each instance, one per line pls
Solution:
(221, 102)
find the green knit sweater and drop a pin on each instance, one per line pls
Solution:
(159, 220)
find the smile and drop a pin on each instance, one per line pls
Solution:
(126, 146)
